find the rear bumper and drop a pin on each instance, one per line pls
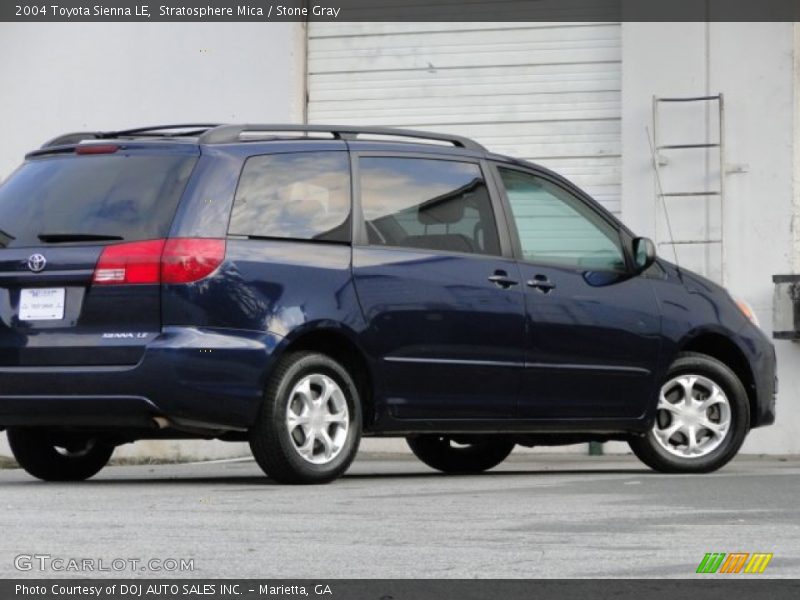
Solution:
(208, 376)
(78, 411)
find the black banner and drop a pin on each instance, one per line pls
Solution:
(399, 10)
(713, 588)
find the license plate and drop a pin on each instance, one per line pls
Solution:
(41, 304)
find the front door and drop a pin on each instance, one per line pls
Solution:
(593, 329)
(444, 308)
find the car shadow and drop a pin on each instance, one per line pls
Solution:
(257, 480)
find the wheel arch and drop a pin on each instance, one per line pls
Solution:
(723, 348)
(339, 343)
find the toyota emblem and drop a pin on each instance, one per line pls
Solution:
(37, 263)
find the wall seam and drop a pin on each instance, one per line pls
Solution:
(795, 221)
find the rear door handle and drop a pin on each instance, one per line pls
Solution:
(502, 280)
(541, 283)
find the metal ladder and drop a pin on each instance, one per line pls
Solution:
(664, 196)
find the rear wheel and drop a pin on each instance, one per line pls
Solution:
(472, 454)
(54, 457)
(702, 418)
(309, 427)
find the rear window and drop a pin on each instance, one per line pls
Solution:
(130, 197)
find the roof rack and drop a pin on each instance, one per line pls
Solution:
(213, 133)
(226, 134)
(182, 130)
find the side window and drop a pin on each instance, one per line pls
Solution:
(557, 228)
(427, 204)
(302, 196)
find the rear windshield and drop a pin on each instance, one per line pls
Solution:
(119, 196)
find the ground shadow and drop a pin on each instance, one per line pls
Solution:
(257, 480)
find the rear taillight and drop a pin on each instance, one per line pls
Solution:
(132, 263)
(190, 259)
(180, 260)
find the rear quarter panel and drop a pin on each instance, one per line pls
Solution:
(281, 288)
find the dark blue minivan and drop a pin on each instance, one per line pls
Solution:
(300, 286)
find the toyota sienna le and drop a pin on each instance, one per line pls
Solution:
(299, 287)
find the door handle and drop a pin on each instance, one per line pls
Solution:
(541, 283)
(502, 280)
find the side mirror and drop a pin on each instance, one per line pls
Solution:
(644, 254)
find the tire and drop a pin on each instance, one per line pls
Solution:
(715, 444)
(287, 440)
(51, 459)
(475, 455)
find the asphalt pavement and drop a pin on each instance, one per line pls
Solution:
(537, 515)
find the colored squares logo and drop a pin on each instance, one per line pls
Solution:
(734, 562)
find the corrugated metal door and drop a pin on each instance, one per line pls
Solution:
(546, 92)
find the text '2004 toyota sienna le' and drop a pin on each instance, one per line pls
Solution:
(298, 287)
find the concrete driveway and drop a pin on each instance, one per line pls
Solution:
(392, 517)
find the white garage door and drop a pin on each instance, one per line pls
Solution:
(549, 93)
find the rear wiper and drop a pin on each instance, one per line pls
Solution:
(63, 238)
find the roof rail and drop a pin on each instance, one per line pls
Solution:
(185, 129)
(226, 134)
(213, 133)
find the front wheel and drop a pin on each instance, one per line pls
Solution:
(702, 418)
(52, 457)
(309, 427)
(455, 455)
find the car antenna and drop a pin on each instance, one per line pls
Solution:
(654, 158)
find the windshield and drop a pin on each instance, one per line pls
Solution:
(92, 198)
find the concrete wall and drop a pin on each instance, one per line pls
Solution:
(60, 77)
(755, 66)
(64, 77)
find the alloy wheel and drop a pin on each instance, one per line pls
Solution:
(317, 418)
(693, 416)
